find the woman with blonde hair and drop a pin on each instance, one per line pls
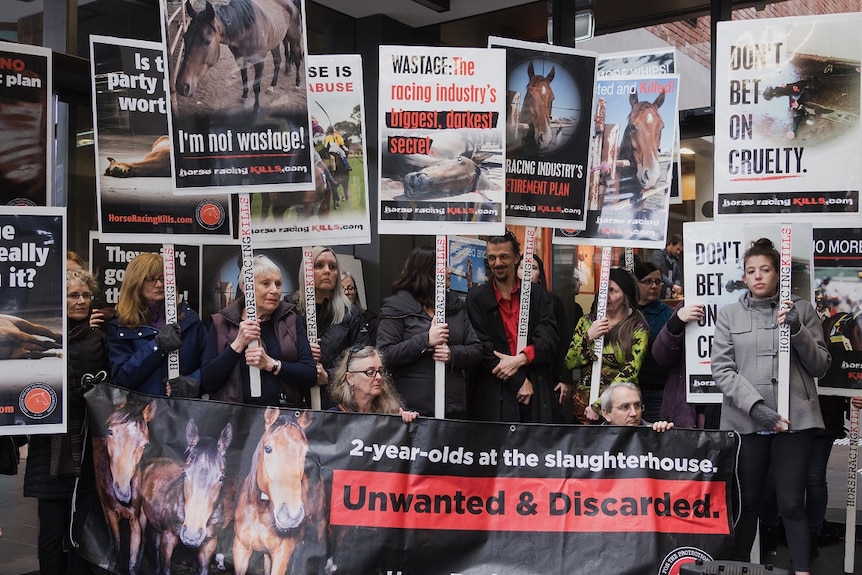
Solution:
(360, 384)
(140, 338)
(339, 323)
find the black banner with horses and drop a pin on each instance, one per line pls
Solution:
(195, 485)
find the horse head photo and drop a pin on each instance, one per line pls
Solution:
(156, 164)
(116, 457)
(536, 108)
(272, 509)
(641, 142)
(189, 501)
(251, 29)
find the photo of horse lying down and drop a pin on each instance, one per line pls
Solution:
(21, 339)
(156, 164)
(454, 165)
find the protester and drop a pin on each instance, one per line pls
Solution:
(412, 342)
(745, 369)
(54, 461)
(668, 351)
(369, 318)
(74, 261)
(668, 262)
(339, 324)
(513, 384)
(622, 405)
(652, 376)
(139, 340)
(624, 345)
(282, 354)
(361, 384)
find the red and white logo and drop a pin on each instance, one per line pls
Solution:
(210, 214)
(37, 400)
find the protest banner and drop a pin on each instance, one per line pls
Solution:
(466, 264)
(234, 134)
(442, 140)
(549, 96)
(787, 117)
(134, 184)
(108, 261)
(33, 386)
(364, 493)
(636, 63)
(714, 276)
(629, 193)
(26, 125)
(336, 211)
(838, 300)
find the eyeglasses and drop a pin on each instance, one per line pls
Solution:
(649, 282)
(371, 372)
(349, 288)
(151, 280)
(75, 296)
(626, 407)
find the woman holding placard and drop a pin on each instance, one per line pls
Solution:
(745, 366)
(282, 353)
(140, 338)
(624, 345)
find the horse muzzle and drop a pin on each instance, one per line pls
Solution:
(285, 520)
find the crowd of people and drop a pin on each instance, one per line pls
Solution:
(385, 363)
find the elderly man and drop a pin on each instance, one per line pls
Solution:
(621, 405)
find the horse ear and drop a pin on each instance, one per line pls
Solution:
(149, 411)
(210, 11)
(530, 70)
(550, 75)
(190, 10)
(304, 419)
(192, 436)
(270, 415)
(659, 100)
(225, 437)
(633, 98)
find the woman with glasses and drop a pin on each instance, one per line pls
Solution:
(624, 345)
(369, 318)
(411, 341)
(745, 367)
(652, 376)
(282, 354)
(140, 338)
(339, 324)
(54, 461)
(361, 384)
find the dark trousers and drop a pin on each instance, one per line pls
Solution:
(56, 557)
(788, 454)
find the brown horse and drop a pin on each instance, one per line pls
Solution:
(188, 502)
(273, 502)
(250, 28)
(639, 149)
(156, 164)
(308, 203)
(115, 458)
(537, 106)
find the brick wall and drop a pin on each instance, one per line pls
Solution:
(691, 37)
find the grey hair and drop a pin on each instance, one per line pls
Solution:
(607, 397)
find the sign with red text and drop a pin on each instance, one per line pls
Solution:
(549, 95)
(336, 211)
(631, 166)
(134, 186)
(26, 125)
(442, 140)
(787, 127)
(364, 493)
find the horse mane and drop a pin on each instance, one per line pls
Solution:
(236, 17)
(252, 490)
(126, 413)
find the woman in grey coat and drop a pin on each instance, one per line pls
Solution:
(745, 369)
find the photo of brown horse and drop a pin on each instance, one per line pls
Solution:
(188, 502)
(156, 164)
(273, 507)
(116, 457)
(638, 160)
(251, 29)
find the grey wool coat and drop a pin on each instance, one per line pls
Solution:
(745, 362)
